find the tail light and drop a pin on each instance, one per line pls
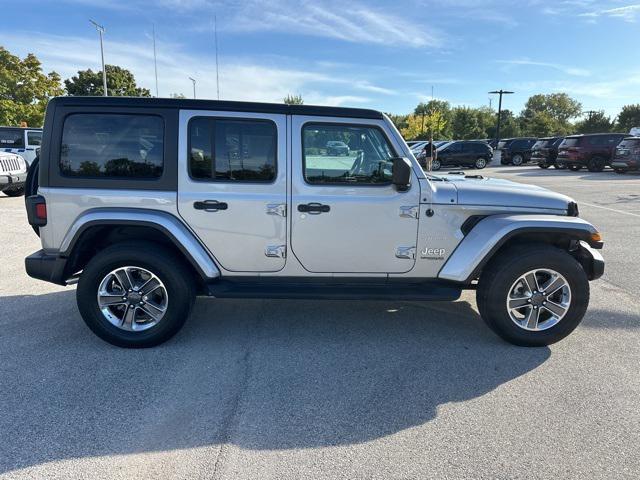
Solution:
(36, 210)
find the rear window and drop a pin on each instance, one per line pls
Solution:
(504, 143)
(34, 138)
(232, 150)
(112, 146)
(10, 138)
(570, 142)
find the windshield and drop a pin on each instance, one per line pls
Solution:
(443, 146)
(630, 143)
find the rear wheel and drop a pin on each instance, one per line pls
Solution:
(533, 295)
(543, 165)
(135, 294)
(517, 160)
(596, 164)
(480, 162)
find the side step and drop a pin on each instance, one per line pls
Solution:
(338, 290)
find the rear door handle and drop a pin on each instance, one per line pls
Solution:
(313, 208)
(210, 205)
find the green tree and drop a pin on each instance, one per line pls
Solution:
(25, 89)
(509, 126)
(629, 117)
(486, 121)
(400, 121)
(120, 83)
(464, 124)
(293, 99)
(421, 127)
(549, 114)
(596, 122)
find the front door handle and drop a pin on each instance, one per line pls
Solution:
(210, 205)
(313, 208)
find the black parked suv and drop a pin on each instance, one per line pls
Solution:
(516, 151)
(594, 151)
(627, 156)
(463, 153)
(545, 152)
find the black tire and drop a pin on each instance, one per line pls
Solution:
(436, 165)
(621, 171)
(480, 163)
(544, 165)
(596, 164)
(574, 167)
(162, 262)
(14, 192)
(517, 160)
(501, 273)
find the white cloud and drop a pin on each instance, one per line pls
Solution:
(628, 13)
(240, 78)
(569, 70)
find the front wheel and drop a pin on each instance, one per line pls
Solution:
(435, 165)
(533, 295)
(517, 160)
(135, 294)
(14, 192)
(596, 164)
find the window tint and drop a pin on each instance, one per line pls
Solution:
(598, 140)
(630, 143)
(232, 150)
(112, 146)
(570, 142)
(10, 138)
(34, 138)
(363, 157)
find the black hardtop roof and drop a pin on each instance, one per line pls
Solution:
(219, 105)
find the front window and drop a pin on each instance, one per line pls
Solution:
(340, 154)
(34, 138)
(112, 146)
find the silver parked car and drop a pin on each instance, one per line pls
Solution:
(13, 174)
(148, 202)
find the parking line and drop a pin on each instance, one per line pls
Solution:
(611, 209)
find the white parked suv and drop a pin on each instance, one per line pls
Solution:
(21, 141)
(13, 174)
(147, 203)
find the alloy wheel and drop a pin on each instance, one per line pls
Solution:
(132, 298)
(539, 299)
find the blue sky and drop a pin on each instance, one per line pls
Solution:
(384, 55)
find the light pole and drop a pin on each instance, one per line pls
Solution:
(499, 92)
(193, 80)
(101, 31)
(155, 59)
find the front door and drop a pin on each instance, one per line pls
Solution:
(232, 186)
(346, 216)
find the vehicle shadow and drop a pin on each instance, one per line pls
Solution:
(258, 374)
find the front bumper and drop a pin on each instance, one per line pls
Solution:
(591, 260)
(46, 266)
(13, 179)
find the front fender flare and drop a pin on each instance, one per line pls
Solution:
(489, 234)
(164, 222)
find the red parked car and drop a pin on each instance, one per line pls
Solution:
(593, 150)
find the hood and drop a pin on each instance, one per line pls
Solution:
(497, 192)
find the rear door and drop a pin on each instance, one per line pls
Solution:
(232, 186)
(346, 216)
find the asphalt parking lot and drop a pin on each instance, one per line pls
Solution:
(310, 389)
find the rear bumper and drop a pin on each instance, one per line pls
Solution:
(46, 266)
(591, 260)
(13, 179)
(626, 164)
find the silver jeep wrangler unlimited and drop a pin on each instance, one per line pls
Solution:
(147, 203)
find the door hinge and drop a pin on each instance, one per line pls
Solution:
(277, 209)
(279, 251)
(406, 252)
(410, 211)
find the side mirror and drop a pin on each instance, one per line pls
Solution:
(401, 174)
